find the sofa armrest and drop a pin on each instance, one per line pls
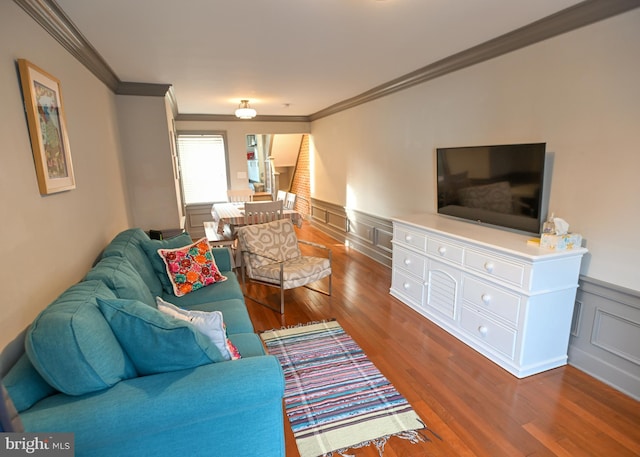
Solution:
(223, 258)
(139, 409)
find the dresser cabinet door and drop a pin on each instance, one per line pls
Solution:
(443, 284)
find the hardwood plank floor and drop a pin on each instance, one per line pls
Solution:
(475, 407)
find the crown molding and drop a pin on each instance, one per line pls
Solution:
(231, 117)
(54, 20)
(579, 15)
(50, 16)
(144, 89)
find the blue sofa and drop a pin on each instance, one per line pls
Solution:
(102, 362)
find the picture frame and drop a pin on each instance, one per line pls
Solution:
(47, 129)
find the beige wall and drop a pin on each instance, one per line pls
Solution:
(49, 242)
(578, 92)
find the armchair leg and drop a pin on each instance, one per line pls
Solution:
(281, 310)
(281, 300)
(245, 292)
(281, 288)
(324, 292)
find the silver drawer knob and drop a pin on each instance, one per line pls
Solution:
(442, 250)
(489, 266)
(483, 330)
(486, 298)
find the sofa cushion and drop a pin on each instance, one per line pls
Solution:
(154, 341)
(223, 257)
(120, 276)
(151, 247)
(211, 410)
(211, 324)
(25, 385)
(72, 346)
(236, 316)
(248, 344)
(191, 267)
(128, 244)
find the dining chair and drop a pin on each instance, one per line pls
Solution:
(240, 195)
(281, 195)
(270, 255)
(225, 239)
(290, 201)
(261, 212)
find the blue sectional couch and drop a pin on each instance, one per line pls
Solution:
(102, 362)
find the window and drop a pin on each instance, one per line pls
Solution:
(203, 167)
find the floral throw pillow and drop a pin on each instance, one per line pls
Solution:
(191, 267)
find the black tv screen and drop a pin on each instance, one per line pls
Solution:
(499, 185)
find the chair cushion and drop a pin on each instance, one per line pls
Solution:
(267, 243)
(191, 267)
(120, 276)
(72, 346)
(296, 272)
(211, 324)
(154, 341)
(151, 247)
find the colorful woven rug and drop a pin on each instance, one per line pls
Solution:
(335, 397)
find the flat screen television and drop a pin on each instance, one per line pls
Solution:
(500, 185)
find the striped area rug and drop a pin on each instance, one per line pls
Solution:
(335, 397)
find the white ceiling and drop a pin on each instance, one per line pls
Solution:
(288, 57)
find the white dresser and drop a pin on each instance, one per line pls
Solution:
(510, 301)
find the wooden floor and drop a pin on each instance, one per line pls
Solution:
(474, 406)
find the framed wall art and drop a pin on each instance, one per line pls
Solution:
(47, 129)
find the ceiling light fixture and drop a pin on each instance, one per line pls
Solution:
(244, 111)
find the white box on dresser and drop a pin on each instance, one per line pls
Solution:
(510, 301)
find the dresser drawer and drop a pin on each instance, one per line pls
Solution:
(444, 250)
(495, 267)
(407, 285)
(491, 333)
(410, 238)
(409, 261)
(492, 299)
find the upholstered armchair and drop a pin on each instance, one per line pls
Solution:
(271, 255)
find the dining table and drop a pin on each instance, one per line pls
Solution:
(232, 215)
